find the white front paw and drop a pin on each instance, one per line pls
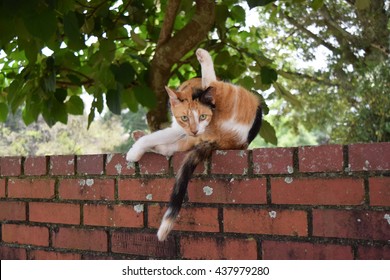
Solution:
(134, 154)
(203, 56)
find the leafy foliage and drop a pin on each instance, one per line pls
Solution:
(122, 53)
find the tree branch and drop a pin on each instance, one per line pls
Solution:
(169, 20)
(170, 50)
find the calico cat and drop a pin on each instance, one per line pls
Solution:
(207, 115)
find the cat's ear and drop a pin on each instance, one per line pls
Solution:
(173, 99)
(207, 97)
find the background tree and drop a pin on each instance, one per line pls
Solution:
(122, 53)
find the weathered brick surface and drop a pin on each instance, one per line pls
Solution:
(87, 189)
(35, 166)
(112, 215)
(326, 202)
(235, 191)
(229, 162)
(10, 253)
(90, 165)
(317, 191)
(279, 250)
(23, 234)
(261, 221)
(11, 166)
(190, 219)
(379, 191)
(158, 189)
(50, 255)
(152, 163)
(62, 165)
(356, 224)
(12, 211)
(208, 248)
(366, 157)
(320, 158)
(144, 244)
(83, 239)
(51, 212)
(31, 188)
(117, 164)
(2, 188)
(273, 161)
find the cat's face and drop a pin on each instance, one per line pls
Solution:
(190, 108)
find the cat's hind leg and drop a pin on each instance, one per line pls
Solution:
(206, 63)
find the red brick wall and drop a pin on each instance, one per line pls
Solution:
(326, 202)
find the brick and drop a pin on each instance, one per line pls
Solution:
(367, 157)
(90, 165)
(87, 189)
(2, 188)
(374, 253)
(177, 160)
(112, 215)
(59, 213)
(35, 166)
(12, 211)
(279, 250)
(273, 161)
(203, 219)
(62, 165)
(152, 163)
(379, 191)
(209, 248)
(9, 253)
(356, 224)
(52, 255)
(99, 257)
(23, 234)
(83, 239)
(236, 191)
(118, 165)
(229, 162)
(145, 189)
(31, 188)
(143, 244)
(11, 166)
(326, 158)
(317, 191)
(262, 221)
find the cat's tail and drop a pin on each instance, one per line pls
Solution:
(200, 153)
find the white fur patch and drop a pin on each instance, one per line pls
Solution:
(166, 226)
(240, 130)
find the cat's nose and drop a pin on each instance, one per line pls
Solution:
(194, 132)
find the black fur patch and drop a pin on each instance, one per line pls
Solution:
(255, 126)
(204, 96)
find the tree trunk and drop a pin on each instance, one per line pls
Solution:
(170, 49)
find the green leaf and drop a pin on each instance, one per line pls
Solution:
(362, 4)
(238, 13)
(221, 13)
(3, 112)
(138, 40)
(268, 75)
(124, 73)
(72, 31)
(256, 3)
(287, 95)
(107, 47)
(42, 25)
(267, 132)
(91, 116)
(75, 105)
(130, 100)
(317, 4)
(113, 98)
(145, 96)
(61, 94)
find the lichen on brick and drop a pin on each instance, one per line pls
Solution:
(208, 190)
(139, 208)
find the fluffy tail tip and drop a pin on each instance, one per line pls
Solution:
(166, 225)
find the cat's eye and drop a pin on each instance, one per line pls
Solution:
(184, 118)
(203, 117)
